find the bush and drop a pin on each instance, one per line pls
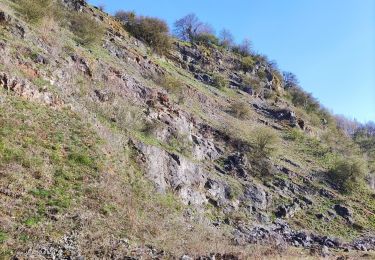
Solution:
(253, 82)
(207, 39)
(226, 38)
(240, 109)
(244, 49)
(153, 31)
(347, 174)
(86, 30)
(264, 142)
(247, 63)
(305, 100)
(34, 10)
(219, 81)
(269, 94)
(171, 84)
(151, 128)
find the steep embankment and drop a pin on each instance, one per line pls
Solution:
(109, 151)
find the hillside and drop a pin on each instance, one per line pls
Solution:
(113, 149)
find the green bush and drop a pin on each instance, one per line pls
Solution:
(347, 173)
(3, 237)
(269, 94)
(181, 144)
(153, 31)
(151, 128)
(207, 39)
(240, 109)
(247, 63)
(171, 84)
(219, 81)
(265, 142)
(86, 30)
(302, 99)
(34, 10)
(252, 82)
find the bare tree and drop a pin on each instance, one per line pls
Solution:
(226, 38)
(101, 7)
(126, 17)
(244, 48)
(188, 27)
(290, 80)
(347, 125)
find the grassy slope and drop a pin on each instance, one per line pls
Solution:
(53, 166)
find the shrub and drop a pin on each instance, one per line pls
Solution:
(207, 39)
(181, 144)
(226, 38)
(153, 31)
(219, 81)
(151, 127)
(247, 63)
(240, 109)
(244, 49)
(346, 173)
(171, 84)
(34, 10)
(264, 142)
(269, 94)
(3, 237)
(253, 82)
(87, 31)
(302, 99)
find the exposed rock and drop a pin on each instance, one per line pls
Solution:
(238, 163)
(287, 211)
(26, 90)
(4, 18)
(204, 148)
(343, 212)
(82, 65)
(256, 195)
(280, 233)
(76, 5)
(104, 95)
(218, 192)
(171, 170)
(40, 59)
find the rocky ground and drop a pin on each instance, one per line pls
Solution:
(99, 160)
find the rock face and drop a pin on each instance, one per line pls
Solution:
(256, 195)
(26, 90)
(185, 143)
(76, 5)
(237, 163)
(171, 170)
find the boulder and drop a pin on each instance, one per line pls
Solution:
(343, 212)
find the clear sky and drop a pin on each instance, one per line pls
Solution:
(328, 44)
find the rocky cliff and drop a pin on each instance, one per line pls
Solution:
(100, 158)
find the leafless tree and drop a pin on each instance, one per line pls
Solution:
(290, 80)
(226, 38)
(188, 27)
(347, 125)
(244, 48)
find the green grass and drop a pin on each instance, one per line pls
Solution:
(3, 237)
(48, 145)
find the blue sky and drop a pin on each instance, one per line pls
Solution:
(328, 44)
